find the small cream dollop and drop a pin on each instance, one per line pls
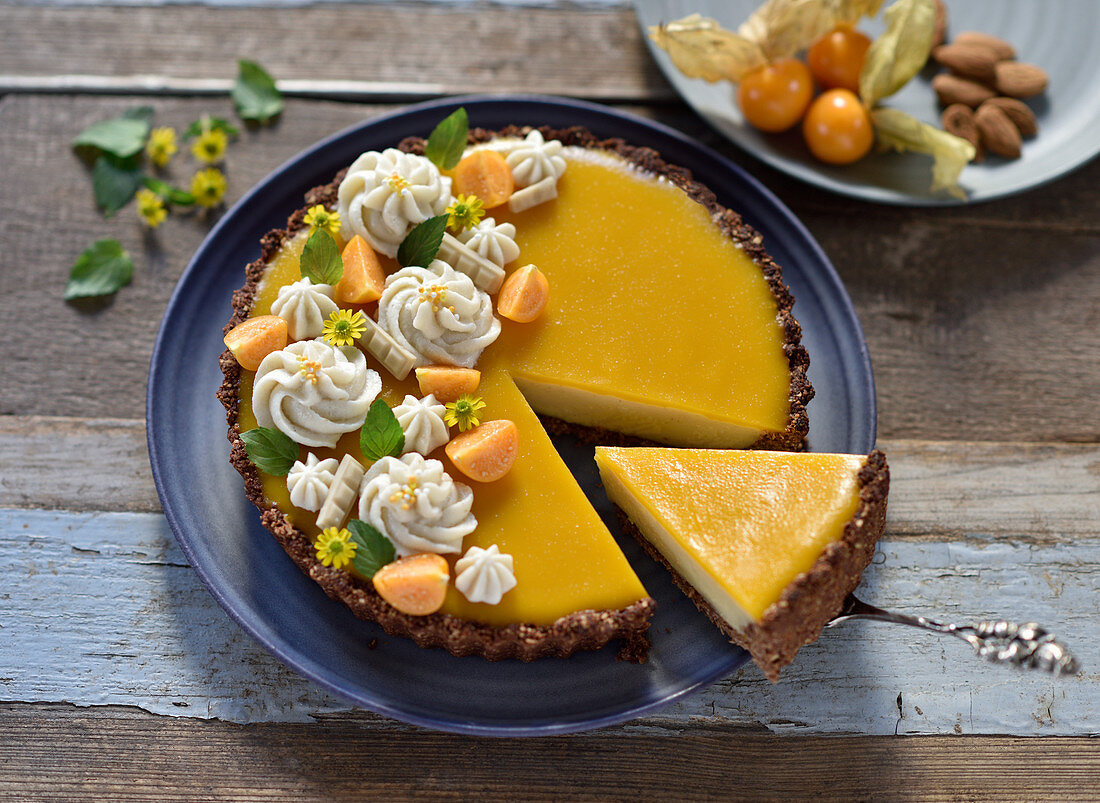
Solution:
(310, 481)
(484, 575)
(535, 159)
(422, 422)
(493, 241)
(304, 306)
(314, 392)
(417, 505)
(438, 314)
(385, 194)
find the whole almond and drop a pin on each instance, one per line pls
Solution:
(1019, 113)
(969, 61)
(953, 89)
(939, 31)
(998, 133)
(958, 119)
(1019, 80)
(999, 46)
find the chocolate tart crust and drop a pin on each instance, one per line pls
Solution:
(582, 630)
(815, 596)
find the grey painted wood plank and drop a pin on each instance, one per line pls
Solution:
(102, 609)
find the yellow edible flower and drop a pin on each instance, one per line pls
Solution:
(464, 412)
(208, 187)
(210, 146)
(161, 145)
(464, 213)
(320, 218)
(150, 207)
(344, 327)
(335, 547)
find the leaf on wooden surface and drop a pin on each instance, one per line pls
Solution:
(166, 191)
(121, 137)
(701, 48)
(902, 132)
(255, 94)
(374, 549)
(381, 435)
(900, 52)
(99, 271)
(114, 182)
(270, 450)
(206, 123)
(422, 243)
(448, 140)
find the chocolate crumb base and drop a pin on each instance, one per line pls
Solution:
(815, 596)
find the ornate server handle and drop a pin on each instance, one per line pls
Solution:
(1027, 646)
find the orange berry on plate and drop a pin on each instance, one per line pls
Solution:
(363, 280)
(416, 585)
(838, 128)
(486, 174)
(447, 382)
(487, 452)
(523, 295)
(836, 59)
(253, 339)
(774, 97)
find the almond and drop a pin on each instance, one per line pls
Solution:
(958, 119)
(999, 135)
(939, 31)
(1019, 113)
(953, 89)
(1019, 80)
(969, 61)
(999, 46)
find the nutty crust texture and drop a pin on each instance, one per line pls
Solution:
(815, 596)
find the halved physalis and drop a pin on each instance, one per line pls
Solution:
(416, 585)
(487, 452)
(523, 295)
(363, 280)
(253, 339)
(447, 382)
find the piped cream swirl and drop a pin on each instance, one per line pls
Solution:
(417, 505)
(484, 575)
(438, 314)
(385, 194)
(422, 422)
(310, 481)
(494, 241)
(535, 159)
(314, 392)
(304, 306)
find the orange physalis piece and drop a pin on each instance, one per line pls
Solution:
(485, 174)
(485, 453)
(446, 382)
(415, 585)
(523, 295)
(253, 339)
(363, 279)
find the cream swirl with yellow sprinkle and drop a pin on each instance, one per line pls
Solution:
(385, 194)
(416, 504)
(438, 314)
(314, 392)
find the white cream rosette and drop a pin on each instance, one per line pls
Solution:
(535, 159)
(305, 307)
(438, 314)
(493, 241)
(314, 392)
(422, 422)
(484, 575)
(385, 194)
(309, 482)
(416, 504)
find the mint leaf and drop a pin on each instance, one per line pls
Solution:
(448, 140)
(212, 124)
(141, 113)
(270, 450)
(174, 195)
(122, 137)
(255, 94)
(114, 183)
(422, 243)
(374, 550)
(381, 435)
(99, 271)
(321, 262)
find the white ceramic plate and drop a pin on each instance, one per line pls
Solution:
(1058, 35)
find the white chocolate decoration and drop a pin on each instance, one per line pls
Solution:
(384, 195)
(394, 358)
(314, 392)
(535, 159)
(341, 496)
(538, 193)
(488, 276)
(493, 241)
(309, 482)
(438, 314)
(484, 575)
(422, 422)
(416, 504)
(305, 307)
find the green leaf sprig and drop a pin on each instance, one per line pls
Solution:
(321, 262)
(422, 243)
(254, 94)
(270, 450)
(114, 182)
(208, 123)
(121, 137)
(381, 435)
(448, 140)
(174, 195)
(99, 271)
(374, 550)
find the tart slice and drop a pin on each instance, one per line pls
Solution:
(767, 544)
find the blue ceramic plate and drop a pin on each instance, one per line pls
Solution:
(259, 586)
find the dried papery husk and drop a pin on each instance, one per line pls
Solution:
(899, 131)
(849, 12)
(900, 52)
(701, 48)
(783, 27)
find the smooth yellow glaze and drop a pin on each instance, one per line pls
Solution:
(752, 520)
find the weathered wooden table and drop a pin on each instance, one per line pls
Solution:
(120, 676)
